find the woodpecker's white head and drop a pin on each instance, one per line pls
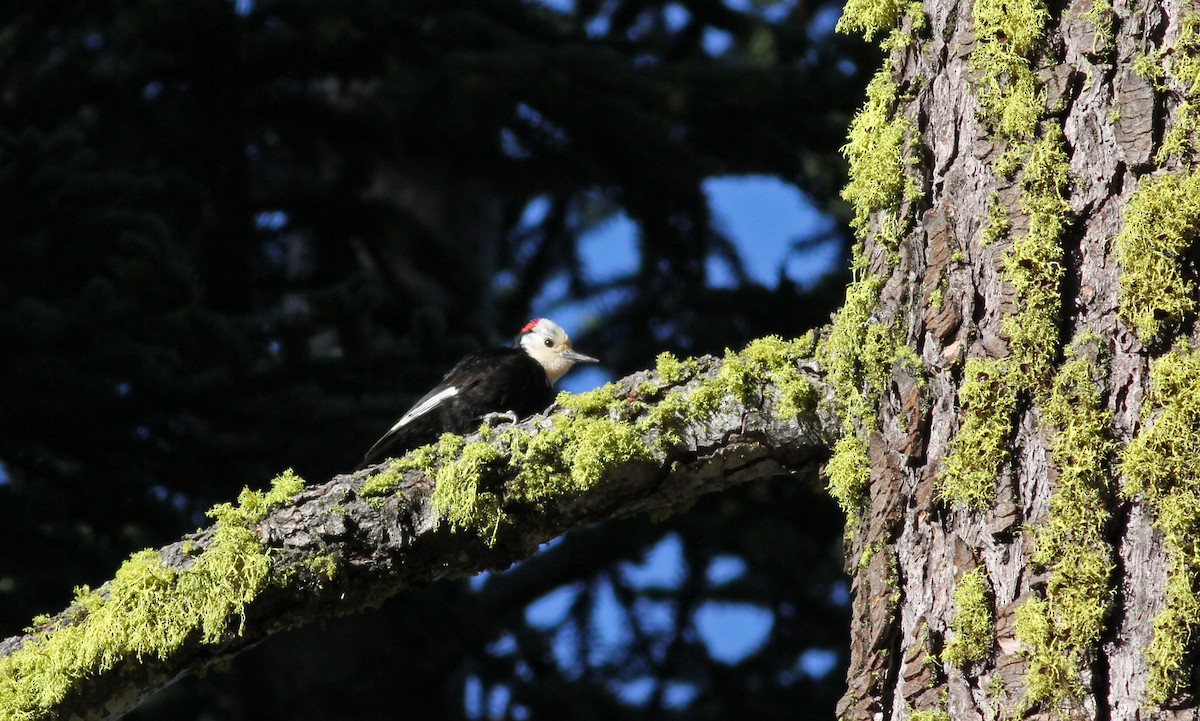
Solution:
(547, 343)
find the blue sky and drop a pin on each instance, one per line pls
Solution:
(763, 216)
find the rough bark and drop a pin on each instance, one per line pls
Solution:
(966, 261)
(334, 549)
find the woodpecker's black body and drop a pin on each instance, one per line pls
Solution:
(494, 380)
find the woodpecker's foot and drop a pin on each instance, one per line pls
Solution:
(494, 419)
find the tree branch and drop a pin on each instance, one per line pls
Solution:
(652, 442)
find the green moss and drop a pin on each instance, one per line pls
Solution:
(1162, 220)
(929, 715)
(997, 693)
(871, 17)
(857, 356)
(672, 370)
(1007, 34)
(574, 453)
(902, 36)
(673, 411)
(893, 582)
(848, 475)
(776, 360)
(600, 400)
(253, 505)
(1102, 17)
(997, 225)
(868, 553)
(771, 359)
(1034, 263)
(571, 456)
(148, 609)
(384, 482)
(972, 623)
(323, 564)
(458, 493)
(1180, 140)
(879, 178)
(986, 406)
(1161, 467)
(1047, 674)
(1010, 161)
(601, 445)
(858, 352)
(1055, 631)
(1012, 103)
(1019, 24)
(1150, 67)
(1176, 69)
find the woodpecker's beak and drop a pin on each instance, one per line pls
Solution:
(574, 357)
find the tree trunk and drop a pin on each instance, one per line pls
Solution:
(1016, 363)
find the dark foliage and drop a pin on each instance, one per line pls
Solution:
(243, 236)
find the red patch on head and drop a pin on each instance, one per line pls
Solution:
(530, 325)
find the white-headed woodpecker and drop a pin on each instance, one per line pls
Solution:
(519, 379)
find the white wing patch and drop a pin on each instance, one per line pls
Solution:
(425, 406)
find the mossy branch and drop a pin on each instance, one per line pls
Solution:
(652, 442)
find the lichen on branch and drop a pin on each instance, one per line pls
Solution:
(570, 452)
(650, 443)
(148, 609)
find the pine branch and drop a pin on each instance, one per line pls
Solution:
(650, 443)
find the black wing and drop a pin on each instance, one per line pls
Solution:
(493, 380)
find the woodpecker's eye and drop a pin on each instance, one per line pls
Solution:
(549, 343)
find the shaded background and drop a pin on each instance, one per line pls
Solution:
(243, 236)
